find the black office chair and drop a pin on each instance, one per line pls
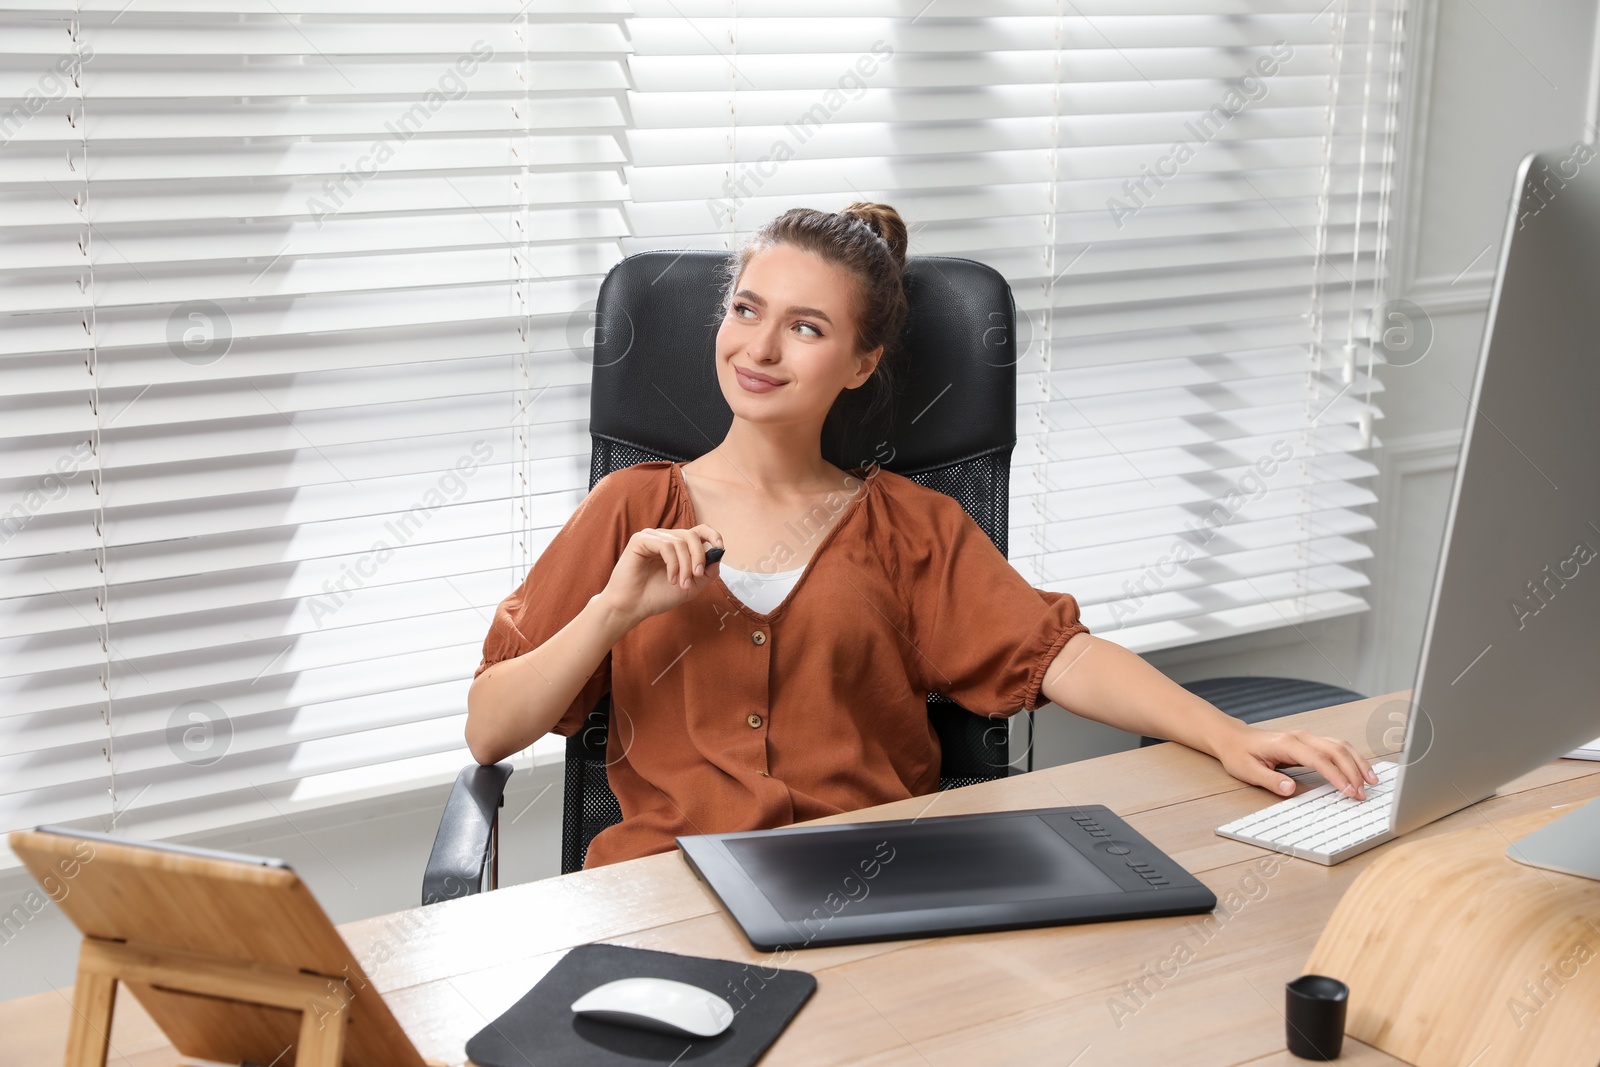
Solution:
(1253, 699)
(655, 396)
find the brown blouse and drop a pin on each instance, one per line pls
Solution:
(726, 719)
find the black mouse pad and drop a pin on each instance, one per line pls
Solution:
(541, 1028)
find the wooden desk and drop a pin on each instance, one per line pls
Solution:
(1061, 995)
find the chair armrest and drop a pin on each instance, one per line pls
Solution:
(467, 840)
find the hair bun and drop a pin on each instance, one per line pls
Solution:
(884, 221)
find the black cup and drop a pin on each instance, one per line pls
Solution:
(1313, 1011)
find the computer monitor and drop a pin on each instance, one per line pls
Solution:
(1509, 676)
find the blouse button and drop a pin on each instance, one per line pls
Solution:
(755, 721)
(759, 637)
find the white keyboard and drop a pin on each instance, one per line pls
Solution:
(1322, 824)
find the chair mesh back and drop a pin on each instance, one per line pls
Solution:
(973, 748)
(589, 805)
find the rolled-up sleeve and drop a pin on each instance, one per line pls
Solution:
(575, 566)
(981, 635)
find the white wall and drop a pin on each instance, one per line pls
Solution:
(1492, 80)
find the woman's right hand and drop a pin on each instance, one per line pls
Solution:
(660, 569)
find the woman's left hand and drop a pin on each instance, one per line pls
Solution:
(1101, 680)
(1253, 755)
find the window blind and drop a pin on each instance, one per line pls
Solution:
(288, 395)
(1189, 202)
(296, 299)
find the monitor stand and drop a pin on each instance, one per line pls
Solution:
(1570, 844)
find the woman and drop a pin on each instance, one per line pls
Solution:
(789, 680)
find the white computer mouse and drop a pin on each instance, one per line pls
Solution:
(659, 1004)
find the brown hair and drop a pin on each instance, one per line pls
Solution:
(869, 242)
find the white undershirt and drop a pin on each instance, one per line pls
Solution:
(758, 591)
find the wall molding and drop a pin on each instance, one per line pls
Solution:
(1591, 118)
(1439, 295)
(1399, 459)
(1421, 25)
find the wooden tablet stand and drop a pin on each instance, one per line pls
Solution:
(102, 964)
(231, 956)
(1455, 953)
